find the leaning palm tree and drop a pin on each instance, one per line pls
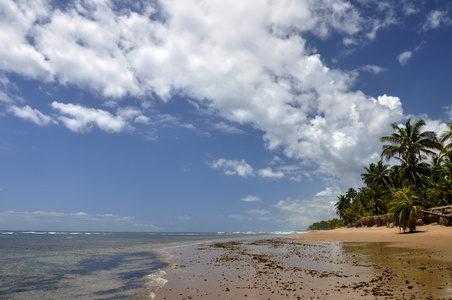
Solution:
(405, 209)
(411, 146)
(356, 211)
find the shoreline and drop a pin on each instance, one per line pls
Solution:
(432, 238)
(352, 263)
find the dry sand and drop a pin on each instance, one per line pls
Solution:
(363, 263)
(435, 239)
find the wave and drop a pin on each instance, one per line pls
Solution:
(156, 281)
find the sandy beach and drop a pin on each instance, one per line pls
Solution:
(353, 263)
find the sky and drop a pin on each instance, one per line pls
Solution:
(171, 115)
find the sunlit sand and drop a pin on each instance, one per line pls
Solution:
(356, 263)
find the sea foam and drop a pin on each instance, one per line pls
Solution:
(156, 281)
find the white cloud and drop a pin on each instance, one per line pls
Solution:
(435, 19)
(373, 69)
(391, 102)
(251, 198)
(302, 213)
(448, 110)
(4, 97)
(132, 113)
(18, 19)
(234, 167)
(226, 128)
(78, 118)
(30, 114)
(410, 8)
(268, 172)
(262, 75)
(57, 221)
(404, 57)
(435, 126)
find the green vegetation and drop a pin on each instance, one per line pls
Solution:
(324, 225)
(420, 176)
(404, 209)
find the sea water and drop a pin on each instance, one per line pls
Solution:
(90, 265)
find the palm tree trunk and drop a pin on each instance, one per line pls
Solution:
(419, 189)
(418, 184)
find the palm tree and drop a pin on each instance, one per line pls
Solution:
(396, 179)
(440, 193)
(404, 208)
(376, 174)
(375, 197)
(341, 206)
(411, 146)
(351, 194)
(344, 202)
(356, 211)
(445, 136)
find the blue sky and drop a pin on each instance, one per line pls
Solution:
(206, 115)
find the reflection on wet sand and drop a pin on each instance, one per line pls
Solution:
(293, 269)
(405, 270)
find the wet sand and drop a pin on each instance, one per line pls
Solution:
(337, 264)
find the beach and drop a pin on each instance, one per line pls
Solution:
(351, 263)
(88, 265)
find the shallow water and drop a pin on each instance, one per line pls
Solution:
(293, 269)
(410, 269)
(68, 265)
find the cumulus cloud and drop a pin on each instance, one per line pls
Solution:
(302, 213)
(234, 167)
(391, 102)
(404, 57)
(263, 75)
(57, 221)
(79, 119)
(436, 19)
(30, 114)
(269, 173)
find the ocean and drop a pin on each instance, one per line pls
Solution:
(91, 265)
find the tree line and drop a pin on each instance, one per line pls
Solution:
(420, 176)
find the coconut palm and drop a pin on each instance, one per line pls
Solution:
(440, 193)
(356, 211)
(405, 209)
(446, 136)
(351, 194)
(376, 174)
(341, 205)
(396, 179)
(411, 147)
(376, 198)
